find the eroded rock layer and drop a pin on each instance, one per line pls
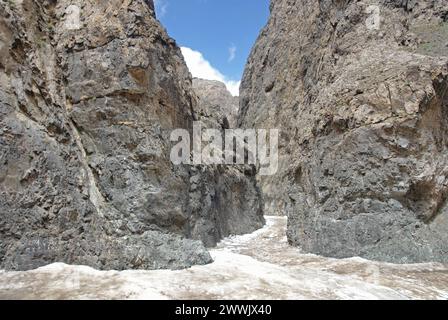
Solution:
(359, 91)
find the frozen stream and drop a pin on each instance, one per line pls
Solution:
(256, 266)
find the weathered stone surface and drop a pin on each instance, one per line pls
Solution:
(363, 115)
(216, 101)
(225, 199)
(90, 91)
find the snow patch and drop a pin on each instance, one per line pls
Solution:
(260, 265)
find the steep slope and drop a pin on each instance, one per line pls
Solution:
(362, 107)
(90, 92)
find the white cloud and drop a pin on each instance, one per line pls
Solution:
(161, 7)
(232, 53)
(201, 68)
(233, 87)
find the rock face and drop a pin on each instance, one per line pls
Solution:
(89, 94)
(226, 199)
(216, 101)
(362, 105)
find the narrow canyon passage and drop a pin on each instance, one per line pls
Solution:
(260, 265)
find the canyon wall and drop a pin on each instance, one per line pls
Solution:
(216, 101)
(89, 94)
(238, 204)
(359, 91)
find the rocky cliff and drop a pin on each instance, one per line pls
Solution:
(359, 91)
(89, 94)
(216, 101)
(227, 193)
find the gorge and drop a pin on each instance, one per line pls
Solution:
(90, 92)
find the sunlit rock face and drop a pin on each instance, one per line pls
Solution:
(359, 92)
(89, 94)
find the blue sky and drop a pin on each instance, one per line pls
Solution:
(216, 36)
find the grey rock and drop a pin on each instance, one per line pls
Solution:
(362, 114)
(216, 101)
(226, 200)
(89, 94)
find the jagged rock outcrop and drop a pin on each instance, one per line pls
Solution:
(216, 101)
(362, 105)
(89, 94)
